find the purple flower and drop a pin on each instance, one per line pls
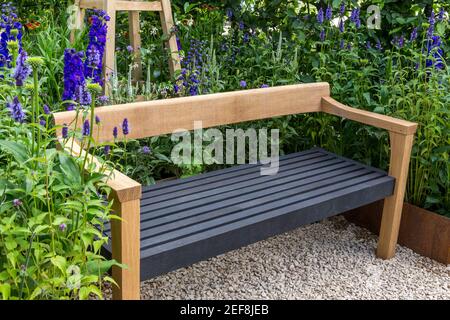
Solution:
(115, 132)
(125, 127)
(103, 99)
(241, 25)
(93, 65)
(401, 41)
(86, 128)
(106, 150)
(320, 16)
(342, 44)
(432, 22)
(435, 53)
(83, 96)
(97, 120)
(146, 150)
(193, 65)
(23, 70)
(16, 111)
(441, 14)
(65, 131)
(264, 86)
(355, 17)
(47, 110)
(378, 45)
(341, 26)
(42, 122)
(246, 38)
(413, 35)
(368, 44)
(322, 35)
(130, 49)
(17, 202)
(243, 84)
(62, 227)
(73, 75)
(229, 13)
(329, 13)
(179, 44)
(342, 9)
(11, 30)
(176, 88)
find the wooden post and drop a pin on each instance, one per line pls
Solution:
(110, 48)
(78, 22)
(401, 146)
(126, 249)
(135, 40)
(167, 25)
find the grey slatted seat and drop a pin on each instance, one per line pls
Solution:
(192, 219)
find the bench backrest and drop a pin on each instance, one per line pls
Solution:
(158, 117)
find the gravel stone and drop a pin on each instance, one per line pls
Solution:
(332, 259)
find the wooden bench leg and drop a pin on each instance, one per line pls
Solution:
(390, 223)
(126, 249)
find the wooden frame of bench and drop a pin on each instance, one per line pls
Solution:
(134, 8)
(159, 117)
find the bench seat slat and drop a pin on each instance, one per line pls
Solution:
(150, 214)
(206, 214)
(167, 188)
(157, 216)
(248, 206)
(187, 220)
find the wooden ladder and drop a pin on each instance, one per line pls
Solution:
(134, 8)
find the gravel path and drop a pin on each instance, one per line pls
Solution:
(332, 259)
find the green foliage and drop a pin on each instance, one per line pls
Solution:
(52, 211)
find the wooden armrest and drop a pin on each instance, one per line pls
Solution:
(124, 189)
(401, 136)
(331, 106)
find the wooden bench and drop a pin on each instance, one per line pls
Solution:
(177, 223)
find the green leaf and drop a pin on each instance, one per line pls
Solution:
(379, 110)
(10, 244)
(366, 96)
(101, 267)
(59, 262)
(59, 220)
(70, 168)
(36, 293)
(84, 293)
(17, 150)
(95, 290)
(5, 290)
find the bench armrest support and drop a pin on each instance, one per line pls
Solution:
(331, 106)
(401, 134)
